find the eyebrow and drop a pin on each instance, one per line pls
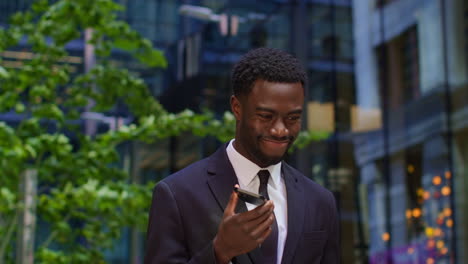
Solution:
(298, 111)
(259, 108)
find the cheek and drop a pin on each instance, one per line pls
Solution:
(295, 129)
(250, 130)
(255, 126)
(255, 131)
(260, 129)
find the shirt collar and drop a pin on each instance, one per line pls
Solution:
(246, 170)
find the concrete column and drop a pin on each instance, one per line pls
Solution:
(27, 220)
(366, 68)
(431, 59)
(457, 62)
(372, 179)
(90, 62)
(460, 155)
(132, 166)
(298, 46)
(398, 200)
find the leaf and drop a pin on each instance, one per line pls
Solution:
(4, 74)
(40, 91)
(152, 58)
(126, 44)
(31, 151)
(49, 111)
(7, 135)
(40, 6)
(19, 108)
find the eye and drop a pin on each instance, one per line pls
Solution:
(265, 116)
(294, 118)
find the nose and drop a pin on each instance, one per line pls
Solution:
(278, 129)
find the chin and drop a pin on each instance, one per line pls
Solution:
(271, 160)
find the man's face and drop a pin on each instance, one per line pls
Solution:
(268, 120)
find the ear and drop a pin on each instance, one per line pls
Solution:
(236, 107)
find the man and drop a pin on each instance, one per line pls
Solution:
(196, 217)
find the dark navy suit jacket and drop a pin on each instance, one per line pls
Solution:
(188, 206)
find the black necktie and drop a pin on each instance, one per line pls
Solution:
(270, 245)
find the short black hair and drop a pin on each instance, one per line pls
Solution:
(268, 64)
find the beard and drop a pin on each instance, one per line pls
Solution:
(251, 144)
(266, 160)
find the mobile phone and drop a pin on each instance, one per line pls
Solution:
(250, 197)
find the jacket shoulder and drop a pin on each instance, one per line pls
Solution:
(193, 172)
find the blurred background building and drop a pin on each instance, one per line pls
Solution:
(410, 128)
(387, 80)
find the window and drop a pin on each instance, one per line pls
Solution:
(410, 64)
(414, 191)
(399, 68)
(330, 32)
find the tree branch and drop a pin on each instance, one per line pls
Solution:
(52, 235)
(7, 238)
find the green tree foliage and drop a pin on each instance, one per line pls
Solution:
(78, 186)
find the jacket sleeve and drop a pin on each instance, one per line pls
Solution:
(166, 242)
(332, 247)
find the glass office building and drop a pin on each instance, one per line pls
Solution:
(410, 129)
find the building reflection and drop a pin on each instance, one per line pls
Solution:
(412, 167)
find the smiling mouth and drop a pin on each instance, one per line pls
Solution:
(279, 142)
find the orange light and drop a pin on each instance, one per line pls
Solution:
(447, 212)
(410, 250)
(440, 244)
(429, 231)
(437, 180)
(448, 175)
(386, 236)
(440, 221)
(426, 195)
(449, 223)
(430, 244)
(420, 191)
(416, 212)
(430, 261)
(408, 213)
(438, 232)
(446, 191)
(444, 251)
(410, 168)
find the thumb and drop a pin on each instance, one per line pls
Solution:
(231, 206)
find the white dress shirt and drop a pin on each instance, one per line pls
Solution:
(246, 172)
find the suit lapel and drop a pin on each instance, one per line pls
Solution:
(295, 196)
(221, 181)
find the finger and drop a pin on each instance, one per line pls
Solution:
(260, 228)
(264, 236)
(254, 223)
(260, 211)
(231, 206)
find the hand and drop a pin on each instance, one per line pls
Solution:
(243, 232)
